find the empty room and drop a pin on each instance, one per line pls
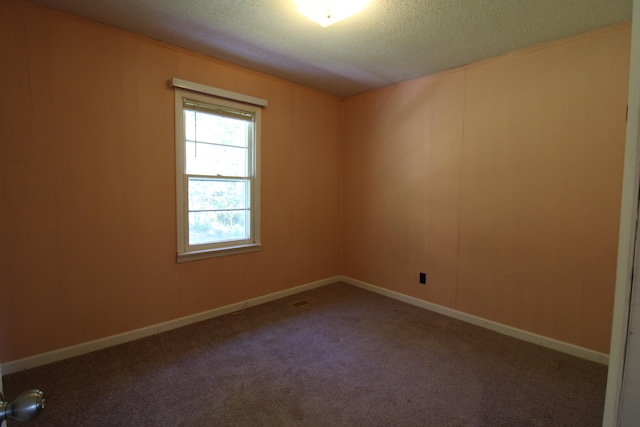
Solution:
(237, 213)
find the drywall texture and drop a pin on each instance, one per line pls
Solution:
(87, 184)
(387, 43)
(501, 181)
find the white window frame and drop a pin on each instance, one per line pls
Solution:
(220, 98)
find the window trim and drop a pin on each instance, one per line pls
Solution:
(213, 96)
(219, 93)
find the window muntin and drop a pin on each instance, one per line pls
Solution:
(217, 162)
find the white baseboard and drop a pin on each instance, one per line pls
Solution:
(99, 344)
(551, 343)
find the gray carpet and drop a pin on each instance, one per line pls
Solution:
(348, 358)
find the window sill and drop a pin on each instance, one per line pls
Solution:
(212, 253)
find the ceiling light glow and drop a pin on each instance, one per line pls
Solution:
(327, 12)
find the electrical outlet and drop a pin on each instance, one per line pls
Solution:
(423, 278)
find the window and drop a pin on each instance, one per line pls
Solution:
(217, 172)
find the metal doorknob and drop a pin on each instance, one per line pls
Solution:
(26, 406)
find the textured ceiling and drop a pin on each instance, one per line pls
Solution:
(389, 42)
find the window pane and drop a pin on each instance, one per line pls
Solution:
(212, 227)
(215, 194)
(208, 159)
(207, 127)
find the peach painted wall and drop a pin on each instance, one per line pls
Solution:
(501, 180)
(87, 184)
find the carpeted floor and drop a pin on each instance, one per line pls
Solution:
(348, 358)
